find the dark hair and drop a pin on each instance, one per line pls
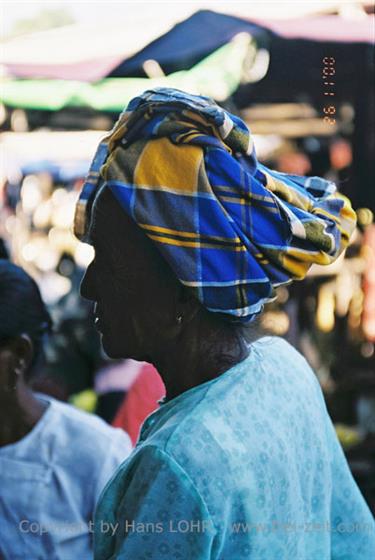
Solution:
(22, 310)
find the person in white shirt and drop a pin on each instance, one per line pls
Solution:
(54, 459)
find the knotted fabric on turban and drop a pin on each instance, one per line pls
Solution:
(232, 230)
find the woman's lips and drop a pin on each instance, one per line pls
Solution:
(97, 318)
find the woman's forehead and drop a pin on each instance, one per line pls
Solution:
(114, 233)
(109, 222)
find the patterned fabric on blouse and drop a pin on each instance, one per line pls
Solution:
(246, 466)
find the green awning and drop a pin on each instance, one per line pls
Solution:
(217, 76)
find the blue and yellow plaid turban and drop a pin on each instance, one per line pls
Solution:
(232, 230)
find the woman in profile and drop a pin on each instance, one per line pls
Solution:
(192, 236)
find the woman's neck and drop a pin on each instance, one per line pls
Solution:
(194, 359)
(20, 412)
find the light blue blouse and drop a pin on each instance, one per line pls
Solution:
(246, 466)
(50, 482)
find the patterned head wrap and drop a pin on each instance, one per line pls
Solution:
(232, 230)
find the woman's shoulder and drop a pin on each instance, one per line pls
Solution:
(276, 354)
(76, 429)
(273, 345)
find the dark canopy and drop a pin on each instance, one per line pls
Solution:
(188, 42)
(193, 39)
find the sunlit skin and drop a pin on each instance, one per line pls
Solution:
(145, 313)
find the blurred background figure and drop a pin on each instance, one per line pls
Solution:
(54, 459)
(3, 250)
(142, 398)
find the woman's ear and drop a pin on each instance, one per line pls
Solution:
(15, 358)
(24, 352)
(187, 306)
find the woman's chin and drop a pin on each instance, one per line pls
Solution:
(118, 351)
(110, 348)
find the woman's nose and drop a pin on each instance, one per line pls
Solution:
(87, 287)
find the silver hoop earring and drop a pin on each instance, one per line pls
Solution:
(179, 319)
